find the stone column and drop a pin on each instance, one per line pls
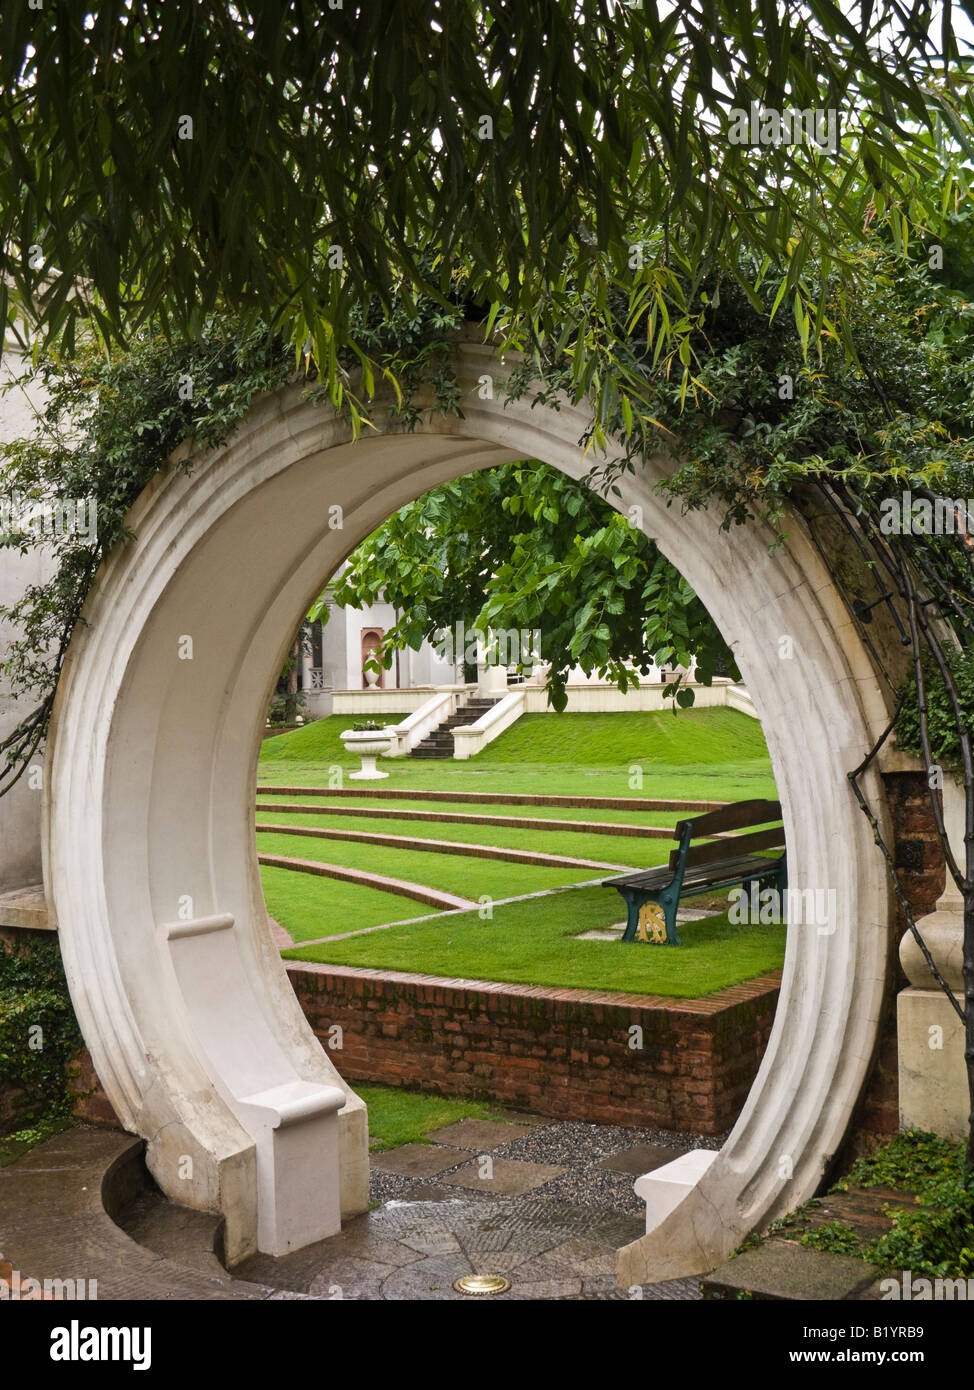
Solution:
(932, 1075)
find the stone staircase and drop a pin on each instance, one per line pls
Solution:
(439, 744)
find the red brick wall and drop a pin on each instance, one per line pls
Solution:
(91, 1105)
(562, 1053)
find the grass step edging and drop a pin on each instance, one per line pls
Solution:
(539, 859)
(613, 803)
(587, 827)
(400, 886)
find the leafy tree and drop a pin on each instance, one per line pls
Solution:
(163, 161)
(524, 547)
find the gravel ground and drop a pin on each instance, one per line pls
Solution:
(564, 1144)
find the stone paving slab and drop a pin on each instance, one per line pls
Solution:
(782, 1269)
(641, 1158)
(480, 1135)
(509, 1177)
(416, 1250)
(54, 1225)
(419, 1160)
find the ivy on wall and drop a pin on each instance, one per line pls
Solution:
(39, 1034)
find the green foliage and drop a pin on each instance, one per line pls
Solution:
(109, 426)
(407, 1117)
(943, 729)
(835, 1237)
(935, 1239)
(912, 1161)
(107, 429)
(38, 1031)
(610, 136)
(525, 548)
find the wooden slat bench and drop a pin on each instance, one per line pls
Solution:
(653, 895)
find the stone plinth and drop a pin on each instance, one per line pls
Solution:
(933, 1077)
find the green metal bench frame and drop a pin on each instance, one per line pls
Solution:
(702, 868)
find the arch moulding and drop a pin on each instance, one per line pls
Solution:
(150, 808)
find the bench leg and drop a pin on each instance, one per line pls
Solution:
(633, 904)
(669, 903)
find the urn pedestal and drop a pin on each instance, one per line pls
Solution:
(933, 1093)
(369, 744)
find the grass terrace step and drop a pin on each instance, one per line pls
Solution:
(534, 858)
(614, 803)
(587, 827)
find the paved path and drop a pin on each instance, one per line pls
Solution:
(546, 1204)
(548, 1211)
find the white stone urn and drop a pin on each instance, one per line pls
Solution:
(371, 676)
(369, 744)
(943, 929)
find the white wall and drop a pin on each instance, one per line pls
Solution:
(20, 809)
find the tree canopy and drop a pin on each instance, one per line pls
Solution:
(523, 547)
(291, 162)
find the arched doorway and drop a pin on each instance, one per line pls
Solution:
(150, 799)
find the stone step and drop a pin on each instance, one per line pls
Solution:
(192, 1239)
(60, 1205)
(785, 1271)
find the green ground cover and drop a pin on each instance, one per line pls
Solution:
(319, 741)
(407, 1117)
(451, 873)
(933, 1239)
(612, 849)
(329, 806)
(689, 738)
(699, 755)
(308, 907)
(534, 942)
(707, 755)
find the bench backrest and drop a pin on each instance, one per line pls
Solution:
(737, 816)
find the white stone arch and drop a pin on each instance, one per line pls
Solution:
(150, 793)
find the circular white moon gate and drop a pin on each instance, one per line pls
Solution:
(149, 843)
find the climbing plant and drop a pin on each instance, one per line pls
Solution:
(39, 1034)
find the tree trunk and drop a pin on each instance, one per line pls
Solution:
(291, 701)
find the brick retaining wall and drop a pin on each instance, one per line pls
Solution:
(563, 1053)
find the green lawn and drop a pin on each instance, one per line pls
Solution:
(327, 805)
(689, 738)
(407, 1117)
(451, 873)
(636, 850)
(308, 907)
(705, 755)
(319, 741)
(534, 942)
